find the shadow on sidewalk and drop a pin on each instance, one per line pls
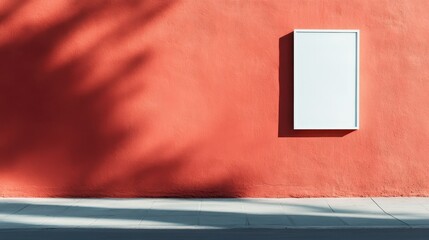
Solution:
(24, 215)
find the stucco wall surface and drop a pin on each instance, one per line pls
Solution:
(194, 98)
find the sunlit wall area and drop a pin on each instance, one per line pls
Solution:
(195, 99)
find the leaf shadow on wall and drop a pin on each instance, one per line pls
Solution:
(285, 125)
(61, 122)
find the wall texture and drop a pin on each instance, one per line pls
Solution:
(194, 98)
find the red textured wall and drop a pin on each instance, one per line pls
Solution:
(194, 98)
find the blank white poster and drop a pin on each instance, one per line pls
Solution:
(326, 79)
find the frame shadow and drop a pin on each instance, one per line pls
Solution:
(285, 127)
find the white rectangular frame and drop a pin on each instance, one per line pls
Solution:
(357, 32)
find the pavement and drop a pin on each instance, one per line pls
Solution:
(238, 218)
(238, 213)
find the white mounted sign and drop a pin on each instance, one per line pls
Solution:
(326, 79)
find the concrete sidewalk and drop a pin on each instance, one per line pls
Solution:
(335, 213)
